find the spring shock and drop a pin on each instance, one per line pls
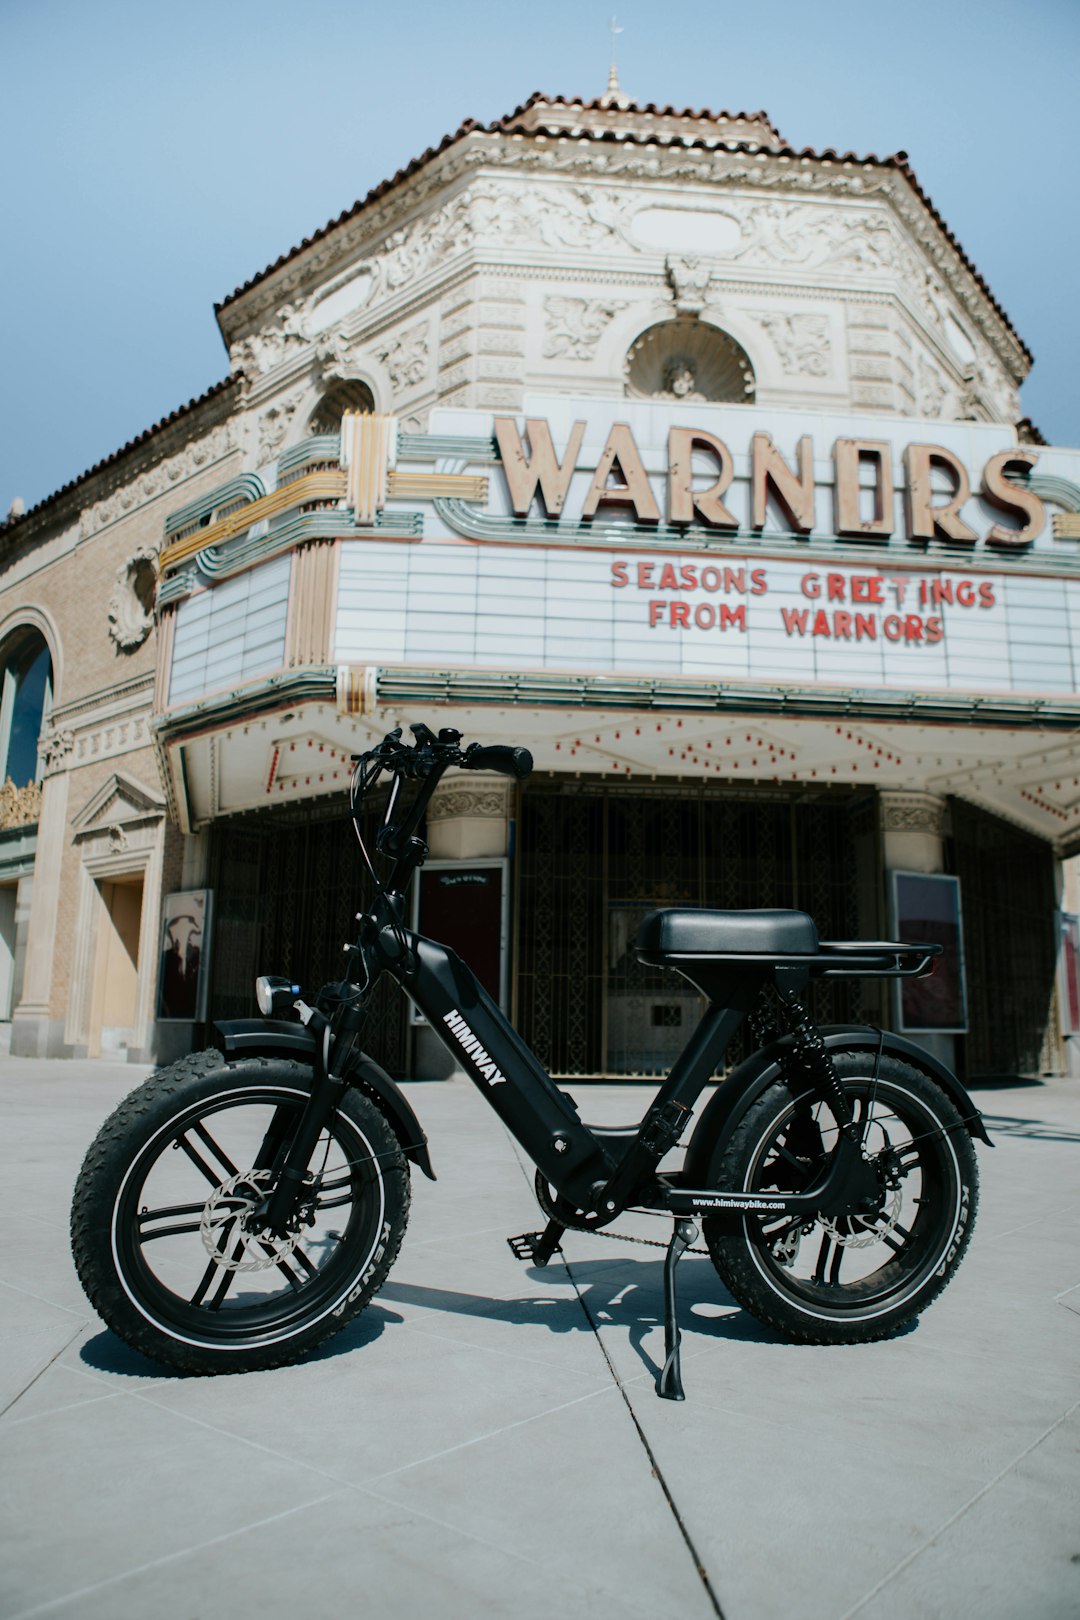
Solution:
(812, 1060)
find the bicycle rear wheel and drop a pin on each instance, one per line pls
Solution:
(164, 1218)
(851, 1279)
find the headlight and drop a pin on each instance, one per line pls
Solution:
(273, 994)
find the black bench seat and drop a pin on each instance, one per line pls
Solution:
(664, 934)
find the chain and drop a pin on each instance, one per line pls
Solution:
(624, 1237)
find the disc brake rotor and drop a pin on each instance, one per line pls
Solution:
(859, 1232)
(222, 1229)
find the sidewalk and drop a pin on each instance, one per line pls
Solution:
(471, 1447)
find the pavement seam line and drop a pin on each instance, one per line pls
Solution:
(959, 1514)
(657, 1471)
(470, 1535)
(168, 1558)
(42, 1369)
(338, 1479)
(28, 1293)
(486, 1349)
(365, 1487)
(491, 1434)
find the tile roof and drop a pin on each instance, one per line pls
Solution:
(520, 121)
(218, 388)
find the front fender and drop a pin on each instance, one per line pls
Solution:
(757, 1072)
(279, 1037)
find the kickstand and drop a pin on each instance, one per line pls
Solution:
(669, 1384)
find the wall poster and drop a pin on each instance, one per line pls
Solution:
(465, 904)
(183, 980)
(1069, 973)
(926, 910)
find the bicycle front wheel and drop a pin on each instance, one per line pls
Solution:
(850, 1279)
(165, 1233)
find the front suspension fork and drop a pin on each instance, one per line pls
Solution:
(326, 1093)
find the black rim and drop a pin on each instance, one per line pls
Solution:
(848, 1268)
(185, 1194)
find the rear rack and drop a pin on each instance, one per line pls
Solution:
(872, 959)
(835, 959)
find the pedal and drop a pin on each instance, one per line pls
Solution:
(537, 1247)
(524, 1246)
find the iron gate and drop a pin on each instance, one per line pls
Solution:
(1007, 897)
(287, 885)
(594, 860)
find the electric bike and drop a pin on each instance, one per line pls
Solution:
(245, 1203)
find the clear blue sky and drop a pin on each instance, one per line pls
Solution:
(155, 156)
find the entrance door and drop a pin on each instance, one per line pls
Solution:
(114, 1004)
(1010, 943)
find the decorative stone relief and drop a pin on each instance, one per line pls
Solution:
(457, 802)
(19, 806)
(55, 749)
(550, 215)
(333, 353)
(630, 164)
(137, 491)
(801, 341)
(131, 606)
(274, 424)
(931, 389)
(406, 358)
(689, 280)
(912, 812)
(802, 234)
(261, 351)
(688, 360)
(573, 326)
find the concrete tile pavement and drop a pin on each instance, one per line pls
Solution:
(471, 1446)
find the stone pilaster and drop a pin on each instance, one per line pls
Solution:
(36, 1031)
(469, 817)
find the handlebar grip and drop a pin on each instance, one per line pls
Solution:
(516, 762)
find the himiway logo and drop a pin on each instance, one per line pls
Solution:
(470, 1045)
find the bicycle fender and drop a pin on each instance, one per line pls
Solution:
(757, 1072)
(279, 1037)
(365, 1074)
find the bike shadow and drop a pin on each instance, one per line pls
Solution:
(624, 1295)
(105, 1353)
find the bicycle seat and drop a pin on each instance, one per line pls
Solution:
(664, 934)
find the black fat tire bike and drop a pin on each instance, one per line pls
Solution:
(244, 1204)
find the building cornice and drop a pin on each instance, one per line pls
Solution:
(627, 155)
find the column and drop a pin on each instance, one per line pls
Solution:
(36, 1029)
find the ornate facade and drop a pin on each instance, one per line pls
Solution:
(693, 461)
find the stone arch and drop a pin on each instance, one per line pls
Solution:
(346, 394)
(689, 359)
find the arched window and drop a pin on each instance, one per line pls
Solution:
(350, 395)
(25, 700)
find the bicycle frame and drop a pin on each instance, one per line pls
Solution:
(592, 1175)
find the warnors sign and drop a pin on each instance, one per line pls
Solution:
(723, 543)
(864, 492)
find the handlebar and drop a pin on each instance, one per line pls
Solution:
(515, 762)
(430, 755)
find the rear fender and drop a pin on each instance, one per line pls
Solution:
(753, 1076)
(278, 1037)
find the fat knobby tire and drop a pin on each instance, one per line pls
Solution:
(763, 1289)
(146, 1113)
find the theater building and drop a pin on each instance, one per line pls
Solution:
(690, 461)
